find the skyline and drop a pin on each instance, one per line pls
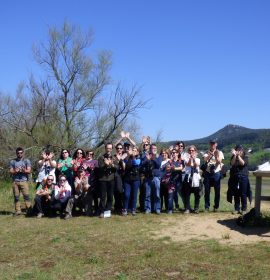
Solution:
(203, 64)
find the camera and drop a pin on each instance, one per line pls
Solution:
(212, 168)
(107, 156)
(147, 170)
(107, 171)
(134, 171)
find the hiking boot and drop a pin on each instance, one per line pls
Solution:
(29, 212)
(40, 215)
(67, 216)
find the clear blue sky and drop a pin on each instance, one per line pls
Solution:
(205, 64)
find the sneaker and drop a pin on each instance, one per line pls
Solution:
(107, 214)
(133, 212)
(124, 212)
(101, 215)
(147, 212)
(67, 216)
(206, 210)
(187, 211)
(158, 212)
(169, 212)
(196, 211)
(40, 215)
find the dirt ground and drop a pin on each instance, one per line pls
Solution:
(219, 226)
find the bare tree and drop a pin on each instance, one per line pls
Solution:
(74, 102)
(81, 84)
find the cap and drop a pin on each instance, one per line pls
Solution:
(126, 144)
(213, 140)
(239, 147)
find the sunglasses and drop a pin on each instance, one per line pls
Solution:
(62, 180)
(191, 150)
(119, 148)
(79, 152)
(64, 152)
(49, 179)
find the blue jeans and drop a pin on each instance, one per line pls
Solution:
(130, 194)
(212, 180)
(240, 192)
(170, 201)
(178, 190)
(152, 194)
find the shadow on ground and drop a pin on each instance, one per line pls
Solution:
(256, 226)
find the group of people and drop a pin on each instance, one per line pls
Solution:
(81, 184)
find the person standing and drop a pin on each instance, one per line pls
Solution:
(191, 183)
(238, 182)
(179, 149)
(107, 168)
(46, 166)
(152, 174)
(131, 181)
(212, 176)
(64, 165)
(77, 161)
(118, 187)
(91, 167)
(20, 168)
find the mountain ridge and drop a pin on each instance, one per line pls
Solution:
(234, 134)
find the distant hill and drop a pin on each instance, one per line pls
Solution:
(234, 134)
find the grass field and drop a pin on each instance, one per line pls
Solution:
(119, 248)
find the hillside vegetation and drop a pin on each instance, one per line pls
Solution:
(257, 141)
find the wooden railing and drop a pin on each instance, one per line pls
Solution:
(258, 190)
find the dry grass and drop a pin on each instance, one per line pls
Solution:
(117, 248)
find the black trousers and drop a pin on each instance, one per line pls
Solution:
(186, 192)
(118, 193)
(106, 193)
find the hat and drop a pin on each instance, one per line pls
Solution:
(213, 140)
(239, 147)
(126, 144)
